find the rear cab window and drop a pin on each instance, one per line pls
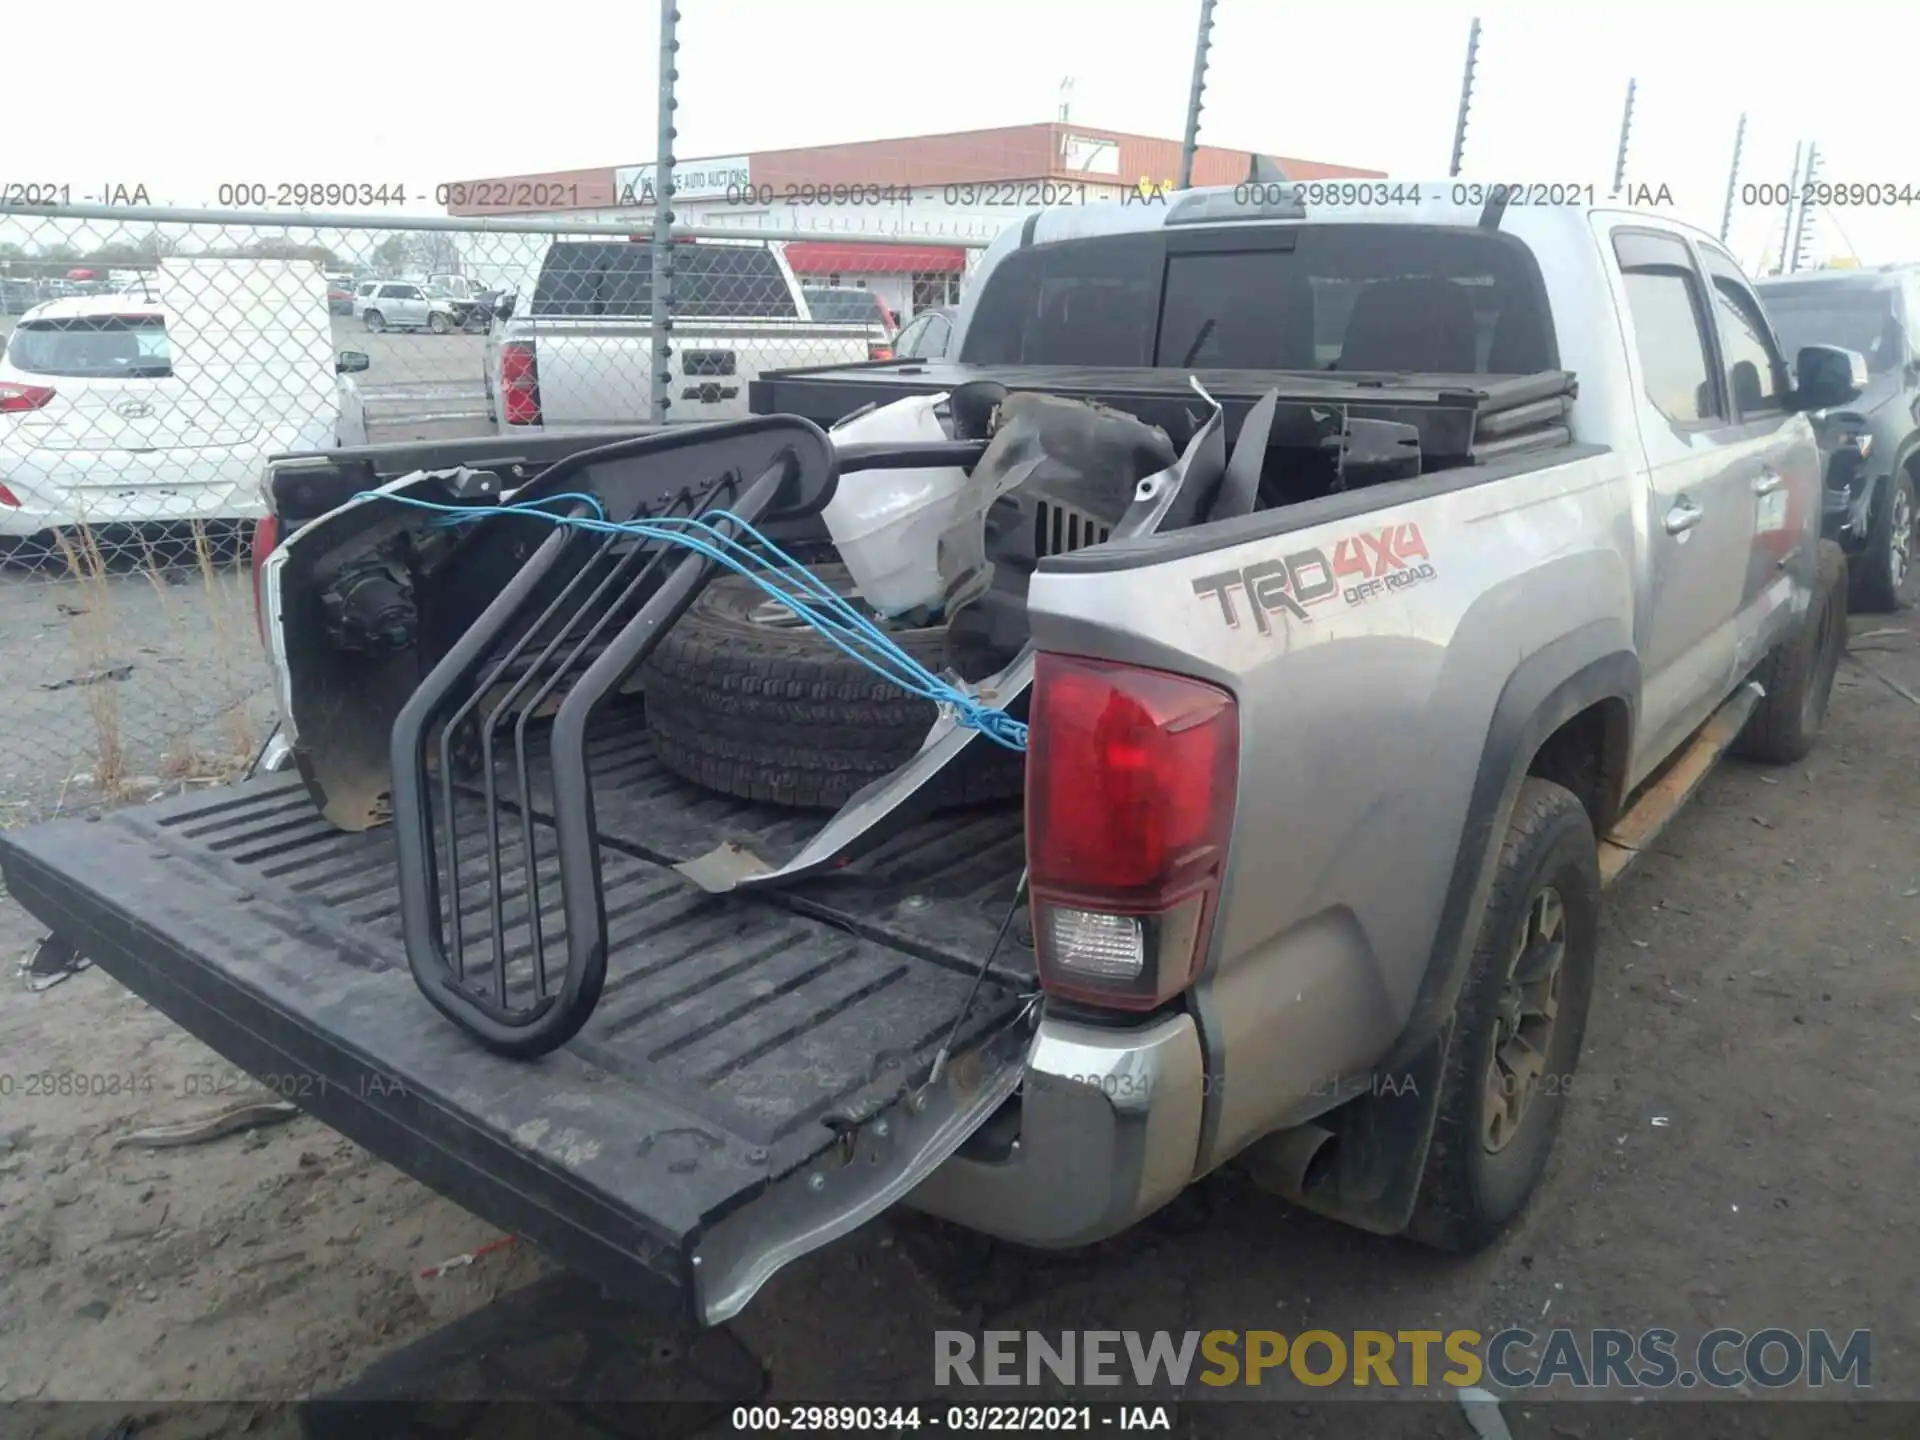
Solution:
(98, 347)
(614, 280)
(844, 307)
(1326, 297)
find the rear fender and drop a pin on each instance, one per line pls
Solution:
(1385, 1131)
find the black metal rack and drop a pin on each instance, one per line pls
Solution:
(561, 637)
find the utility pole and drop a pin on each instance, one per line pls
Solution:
(1626, 133)
(663, 218)
(1786, 222)
(1466, 99)
(1803, 228)
(1191, 141)
(1733, 178)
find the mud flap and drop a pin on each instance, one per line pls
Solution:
(1379, 1141)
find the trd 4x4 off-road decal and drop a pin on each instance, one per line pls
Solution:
(1374, 562)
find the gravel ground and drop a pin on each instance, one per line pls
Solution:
(1739, 1152)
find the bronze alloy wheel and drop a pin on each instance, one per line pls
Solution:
(1523, 1019)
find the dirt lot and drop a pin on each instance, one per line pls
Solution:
(1740, 1151)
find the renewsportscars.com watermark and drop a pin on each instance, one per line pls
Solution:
(1513, 1359)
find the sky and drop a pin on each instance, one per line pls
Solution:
(489, 89)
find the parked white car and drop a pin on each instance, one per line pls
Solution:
(98, 424)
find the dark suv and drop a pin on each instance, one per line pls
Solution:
(1873, 444)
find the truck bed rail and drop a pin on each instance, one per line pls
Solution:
(1458, 417)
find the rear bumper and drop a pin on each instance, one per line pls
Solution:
(1109, 1131)
(125, 487)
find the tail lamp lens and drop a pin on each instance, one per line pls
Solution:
(520, 383)
(1131, 776)
(266, 535)
(16, 399)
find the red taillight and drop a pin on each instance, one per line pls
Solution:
(520, 383)
(9, 499)
(266, 535)
(879, 352)
(1130, 795)
(18, 399)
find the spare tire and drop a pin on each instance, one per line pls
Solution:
(744, 700)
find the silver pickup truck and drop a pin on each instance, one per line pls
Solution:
(1435, 554)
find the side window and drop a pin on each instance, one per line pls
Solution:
(409, 292)
(1755, 374)
(907, 342)
(1669, 326)
(938, 333)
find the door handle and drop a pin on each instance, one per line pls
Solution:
(1769, 481)
(1683, 516)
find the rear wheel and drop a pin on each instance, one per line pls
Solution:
(1517, 1025)
(1798, 677)
(376, 322)
(1883, 574)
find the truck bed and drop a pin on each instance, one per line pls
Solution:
(733, 1032)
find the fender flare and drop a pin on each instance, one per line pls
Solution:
(1581, 669)
(1903, 459)
(1386, 1131)
(1866, 509)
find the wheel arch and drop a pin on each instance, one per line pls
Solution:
(1584, 686)
(1581, 691)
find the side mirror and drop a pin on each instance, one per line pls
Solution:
(1828, 376)
(351, 362)
(504, 307)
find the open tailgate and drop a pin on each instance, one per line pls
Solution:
(750, 1087)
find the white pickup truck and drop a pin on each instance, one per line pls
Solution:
(1500, 526)
(578, 355)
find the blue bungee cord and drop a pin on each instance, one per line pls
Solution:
(813, 601)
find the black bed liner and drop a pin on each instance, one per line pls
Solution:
(732, 1033)
(1460, 418)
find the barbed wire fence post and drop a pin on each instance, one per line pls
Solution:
(1626, 139)
(1190, 141)
(1733, 177)
(1466, 100)
(660, 387)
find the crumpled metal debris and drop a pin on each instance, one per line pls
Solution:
(53, 960)
(92, 677)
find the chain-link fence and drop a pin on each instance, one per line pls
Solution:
(153, 361)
